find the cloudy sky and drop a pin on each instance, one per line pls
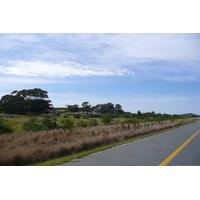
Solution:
(159, 72)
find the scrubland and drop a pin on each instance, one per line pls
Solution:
(31, 147)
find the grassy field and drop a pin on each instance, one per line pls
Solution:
(19, 120)
(25, 148)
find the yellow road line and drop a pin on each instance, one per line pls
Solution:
(168, 159)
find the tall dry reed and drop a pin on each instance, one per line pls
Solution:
(28, 148)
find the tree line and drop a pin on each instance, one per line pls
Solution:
(35, 101)
(107, 108)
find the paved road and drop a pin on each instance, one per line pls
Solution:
(150, 151)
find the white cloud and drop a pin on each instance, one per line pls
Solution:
(62, 69)
(148, 55)
(105, 47)
(149, 46)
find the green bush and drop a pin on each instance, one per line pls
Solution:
(82, 123)
(106, 119)
(92, 122)
(27, 124)
(33, 125)
(77, 116)
(49, 124)
(67, 123)
(6, 126)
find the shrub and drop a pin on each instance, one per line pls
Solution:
(67, 123)
(33, 125)
(106, 119)
(77, 116)
(49, 124)
(92, 122)
(5, 126)
(82, 123)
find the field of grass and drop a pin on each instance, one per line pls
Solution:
(25, 148)
(19, 120)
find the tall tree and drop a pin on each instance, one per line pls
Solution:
(118, 108)
(139, 113)
(86, 107)
(26, 101)
(12, 104)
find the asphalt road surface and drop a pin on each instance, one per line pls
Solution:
(151, 151)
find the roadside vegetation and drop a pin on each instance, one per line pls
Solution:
(47, 138)
(30, 136)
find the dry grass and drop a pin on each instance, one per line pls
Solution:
(28, 148)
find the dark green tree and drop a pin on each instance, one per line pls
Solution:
(106, 108)
(12, 104)
(86, 107)
(139, 113)
(118, 108)
(30, 101)
(72, 108)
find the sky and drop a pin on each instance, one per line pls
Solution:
(147, 72)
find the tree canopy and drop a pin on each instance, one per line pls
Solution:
(31, 101)
(72, 108)
(86, 107)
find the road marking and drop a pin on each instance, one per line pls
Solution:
(168, 159)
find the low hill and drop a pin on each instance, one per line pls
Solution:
(189, 115)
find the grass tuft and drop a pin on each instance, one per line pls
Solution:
(35, 147)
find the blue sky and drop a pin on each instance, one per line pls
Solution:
(159, 72)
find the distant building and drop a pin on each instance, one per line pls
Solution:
(59, 111)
